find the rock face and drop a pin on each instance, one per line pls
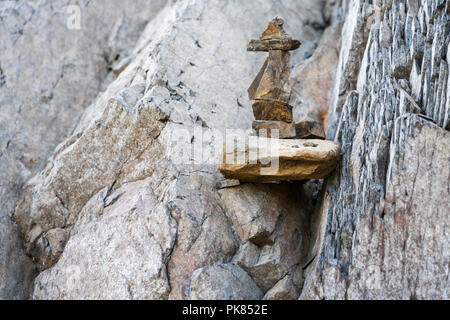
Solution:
(55, 59)
(125, 208)
(223, 282)
(381, 225)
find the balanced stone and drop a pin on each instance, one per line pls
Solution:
(272, 81)
(274, 30)
(270, 91)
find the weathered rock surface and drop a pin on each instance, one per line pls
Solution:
(223, 282)
(282, 130)
(51, 69)
(16, 269)
(267, 159)
(273, 228)
(312, 80)
(126, 227)
(285, 289)
(129, 146)
(399, 251)
(306, 129)
(381, 225)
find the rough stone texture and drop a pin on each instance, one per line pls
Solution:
(313, 79)
(187, 74)
(16, 269)
(306, 129)
(223, 282)
(120, 212)
(273, 227)
(268, 159)
(309, 129)
(48, 74)
(285, 289)
(227, 183)
(381, 227)
(124, 228)
(273, 44)
(281, 129)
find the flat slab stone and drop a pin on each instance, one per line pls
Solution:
(265, 159)
(285, 44)
(309, 129)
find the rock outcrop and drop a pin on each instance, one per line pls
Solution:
(55, 58)
(125, 208)
(381, 224)
(124, 185)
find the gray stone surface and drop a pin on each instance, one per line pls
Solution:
(49, 72)
(117, 250)
(120, 211)
(285, 289)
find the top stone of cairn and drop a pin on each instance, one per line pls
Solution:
(274, 38)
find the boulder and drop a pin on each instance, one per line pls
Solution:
(223, 282)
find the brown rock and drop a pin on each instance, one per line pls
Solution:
(309, 129)
(285, 130)
(272, 110)
(273, 44)
(280, 159)
(274, 30)
(285, 289)
(272, 80)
